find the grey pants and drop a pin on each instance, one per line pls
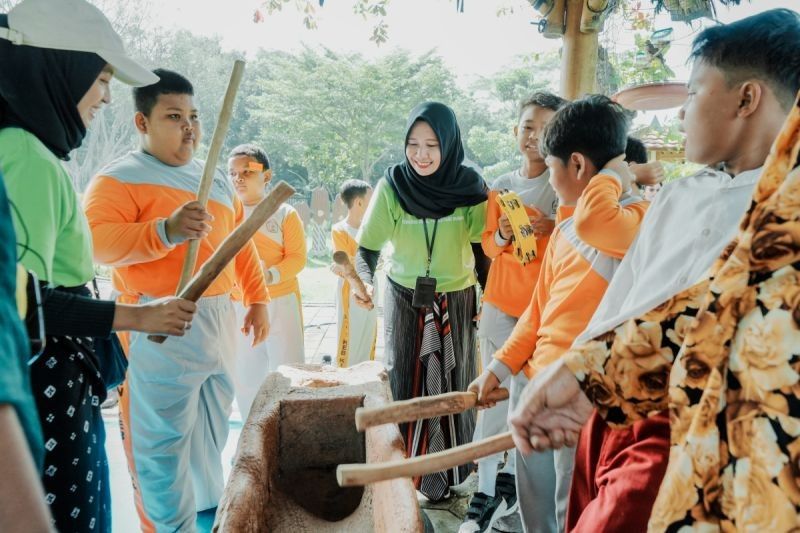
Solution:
(543, 480)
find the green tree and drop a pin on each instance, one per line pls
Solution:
(496, 99)
(341, 116)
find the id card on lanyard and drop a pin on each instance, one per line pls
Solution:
(425, 288)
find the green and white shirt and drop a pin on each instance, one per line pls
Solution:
(452, 261)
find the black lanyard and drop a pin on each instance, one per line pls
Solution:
(429, 243)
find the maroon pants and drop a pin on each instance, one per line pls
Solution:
(617, 475)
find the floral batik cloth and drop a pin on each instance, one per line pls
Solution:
(724, 356)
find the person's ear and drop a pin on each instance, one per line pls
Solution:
(578, 162)
(750, 95)
(140, 121)
(516, 131)
(267, 176)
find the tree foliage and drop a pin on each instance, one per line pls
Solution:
(341, 116)
(201, 59)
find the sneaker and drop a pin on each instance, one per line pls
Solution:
(482, 512)
(508, 524)
(112, 399)
(506, 486)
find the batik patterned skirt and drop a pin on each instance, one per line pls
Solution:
(68, 391)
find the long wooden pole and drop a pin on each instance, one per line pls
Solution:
(210, 168)
(356, 475)
(578, 56)
(231, 246)
(420, 408)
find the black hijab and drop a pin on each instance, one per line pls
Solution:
(40, 89)
(452, 185)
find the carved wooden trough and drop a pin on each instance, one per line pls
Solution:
(301, 426)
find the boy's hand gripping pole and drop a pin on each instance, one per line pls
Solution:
(420, 408)
(348, 272)
(231, 246)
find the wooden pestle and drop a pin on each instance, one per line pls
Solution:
(356, 475)
(210, 167)
(231, 246)
(419, 408)
(349, 274)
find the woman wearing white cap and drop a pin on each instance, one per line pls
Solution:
(57, 60)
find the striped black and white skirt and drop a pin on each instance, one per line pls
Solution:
(429, 352)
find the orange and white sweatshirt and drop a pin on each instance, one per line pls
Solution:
(343, 236)
(127, 205)
(584, 251)
(281, 246)
(510, 284)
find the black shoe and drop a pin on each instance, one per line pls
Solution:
(506, 487)
(482, 512)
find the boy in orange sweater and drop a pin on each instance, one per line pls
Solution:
(358, 327)
(508, 290)
(174, 412)
(281, 245)
(597, 221)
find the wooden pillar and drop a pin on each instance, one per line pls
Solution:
(579, 55)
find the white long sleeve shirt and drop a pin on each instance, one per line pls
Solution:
(686, 228)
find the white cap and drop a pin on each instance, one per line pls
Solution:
(73, 25)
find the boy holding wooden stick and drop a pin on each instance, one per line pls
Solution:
(357, 326)
(177, 398)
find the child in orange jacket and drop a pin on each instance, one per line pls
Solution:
(597, 221)
(177, 398)
(358, 327)
(508, 290)
(281, 246)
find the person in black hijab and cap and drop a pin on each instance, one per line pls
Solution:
(57, 60)
(431, 208)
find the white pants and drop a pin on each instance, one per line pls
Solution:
(495, 328)
(180, 398)
(359, 325)
(543, 480)
(284, 346)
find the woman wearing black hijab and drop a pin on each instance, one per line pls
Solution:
(431, 208)
(52, 85)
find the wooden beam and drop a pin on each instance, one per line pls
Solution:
(578, 56)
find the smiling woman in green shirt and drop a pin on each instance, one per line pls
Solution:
(431, 208)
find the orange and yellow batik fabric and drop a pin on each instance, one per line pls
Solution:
(724, 356)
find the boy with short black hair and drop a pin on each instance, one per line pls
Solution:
(358, 327)
(583, 146)
(508, 290)
(649, 174)
(174, 412)
(635, 151)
